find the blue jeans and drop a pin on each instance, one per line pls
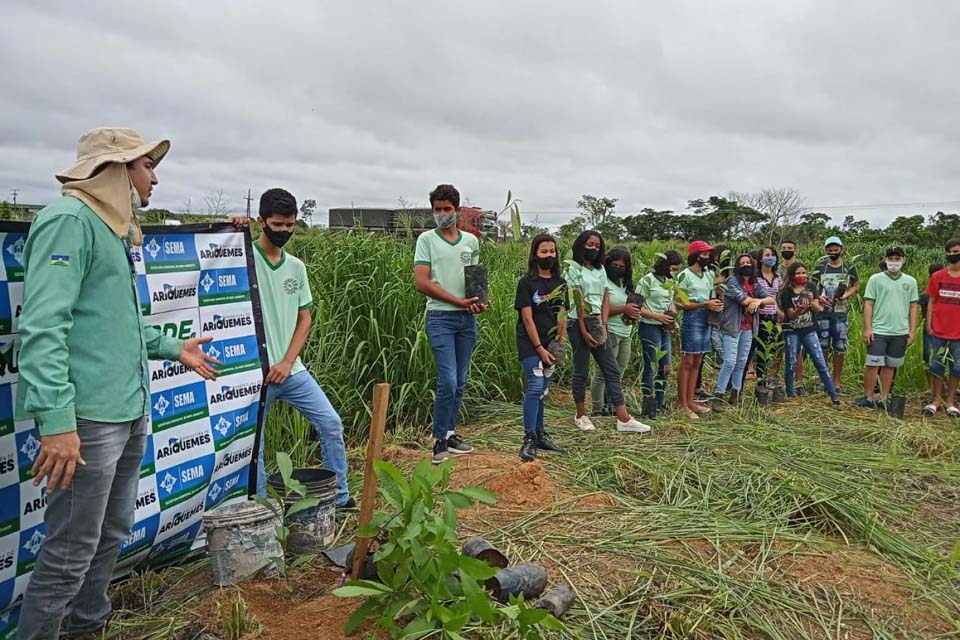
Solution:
(538, 379)
(811, 344)
(944, 355)
(452, 336)
(85, 524)
(655, 342)
(736, 350)
(833, 329)
(303, 393)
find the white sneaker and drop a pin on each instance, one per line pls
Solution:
(584, 423)
(633, 426)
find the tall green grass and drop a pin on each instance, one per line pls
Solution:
(369, 327)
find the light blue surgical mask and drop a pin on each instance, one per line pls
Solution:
(770, 261)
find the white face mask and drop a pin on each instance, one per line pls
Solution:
(894, 267)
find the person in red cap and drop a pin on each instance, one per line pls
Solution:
(696, 283)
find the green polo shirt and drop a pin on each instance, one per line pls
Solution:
(446, 261)
(592, 282)
(656, 297)
(284, 292)
(892, 298)
(84, 346)
(618, 298)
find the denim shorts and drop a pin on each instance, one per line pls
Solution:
(695, 332)
(833, 328)
(944, 354)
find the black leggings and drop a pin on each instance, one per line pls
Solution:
(581, 368)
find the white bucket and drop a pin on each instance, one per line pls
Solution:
(241, 539)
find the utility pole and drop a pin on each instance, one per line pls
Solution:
(13, 194)
(248, 199)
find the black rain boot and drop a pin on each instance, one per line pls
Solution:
(544, 442)
(734, 397)
(528, 452)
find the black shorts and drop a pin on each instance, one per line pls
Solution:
(886, 351)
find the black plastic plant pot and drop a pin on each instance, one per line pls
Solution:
(595, 328)
(762, 396)
(368, 571)
(557, 600)
(475, 283)
(896, 406)
(528, 579)
(633, 298)
(482, 550)
(779, 395)
(558, 351)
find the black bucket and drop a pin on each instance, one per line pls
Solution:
(482, 550)
(475, 283)
(557, 600)
(528, 579)
(311, 530)
(896, 406)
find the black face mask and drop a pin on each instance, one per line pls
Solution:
(833, 256)
(953, 258)
(278, 238)
(787, 254)
(616, 273)
(745, 270)
(546, 263)
(591, 254)
(703, 262)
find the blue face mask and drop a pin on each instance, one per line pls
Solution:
(446, 220)
(770, 261)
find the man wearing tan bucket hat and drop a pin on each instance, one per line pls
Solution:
(84, 377)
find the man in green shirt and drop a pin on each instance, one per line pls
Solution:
(890, 324)
(439, 259)
(84, 377)
(285, 304)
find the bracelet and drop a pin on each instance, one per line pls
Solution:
(537, 346)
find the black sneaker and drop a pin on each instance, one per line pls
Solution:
(349, 504)
(440, 452)
(528, 451)
(457, 446)
(865, 403)
(544, 442)
(836, 403)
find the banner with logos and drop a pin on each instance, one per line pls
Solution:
(192, 280)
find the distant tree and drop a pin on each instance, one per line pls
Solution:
(943, 226)
(216, 204)
(858, 227)
(6, 211)
(651, 224)
(782, 207)
(573, 228)
(599, 214)
(307, 207)
(906, 230)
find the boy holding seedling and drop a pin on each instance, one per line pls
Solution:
(439, 259)
(285, 303)
(943, 325)
(889, 324)
(836, 282)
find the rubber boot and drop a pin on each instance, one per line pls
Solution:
(734, 397)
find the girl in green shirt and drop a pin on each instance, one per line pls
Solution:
(619, 269)
(587, 282)
(656, 329)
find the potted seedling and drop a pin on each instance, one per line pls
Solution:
(633, 298)
(475, 283)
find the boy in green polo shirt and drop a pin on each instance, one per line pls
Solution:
(285, 305)
(890, 324)
(439, 259)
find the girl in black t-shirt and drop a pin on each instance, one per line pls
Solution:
(541, 308)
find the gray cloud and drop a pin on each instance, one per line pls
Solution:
(654, 103)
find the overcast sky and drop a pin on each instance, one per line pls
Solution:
(654, 103)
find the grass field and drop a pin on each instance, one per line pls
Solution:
(797, 522)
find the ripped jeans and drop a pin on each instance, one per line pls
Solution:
(538, 379)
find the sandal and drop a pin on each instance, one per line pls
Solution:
(699, 408)
(953, 412)
(930, 410)
(693, 415)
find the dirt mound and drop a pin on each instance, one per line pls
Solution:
(402, 456)
(517, 484)
(311, 611)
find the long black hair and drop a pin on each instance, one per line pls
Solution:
(661, 266)
(532, 269)
(621, 253)
(579, 247)
(752, 278)
(792, 271)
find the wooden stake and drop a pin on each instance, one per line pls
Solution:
(381, 400)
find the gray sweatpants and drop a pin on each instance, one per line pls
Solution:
(621, 347)
(86, 523)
